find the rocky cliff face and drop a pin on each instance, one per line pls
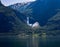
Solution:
(25, 9)
(22, 7)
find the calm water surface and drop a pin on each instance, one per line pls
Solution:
(15, 41)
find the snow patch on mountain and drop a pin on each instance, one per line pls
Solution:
(11, 2)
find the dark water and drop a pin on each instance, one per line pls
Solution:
(15, 41)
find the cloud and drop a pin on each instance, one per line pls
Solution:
(10, 2)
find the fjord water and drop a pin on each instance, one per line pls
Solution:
(15, 41)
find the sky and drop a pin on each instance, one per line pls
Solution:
(11, 2)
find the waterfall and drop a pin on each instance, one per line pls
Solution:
(27, 20)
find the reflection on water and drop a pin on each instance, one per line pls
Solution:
(30, 41)
(33, 41)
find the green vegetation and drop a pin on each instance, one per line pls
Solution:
(11, 16)
(19, 27)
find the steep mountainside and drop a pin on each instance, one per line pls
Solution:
(53, 25)
(20, 6)
(25, 9)
(11, 20)
(40, 10)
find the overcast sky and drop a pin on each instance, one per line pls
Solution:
(10, 2)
